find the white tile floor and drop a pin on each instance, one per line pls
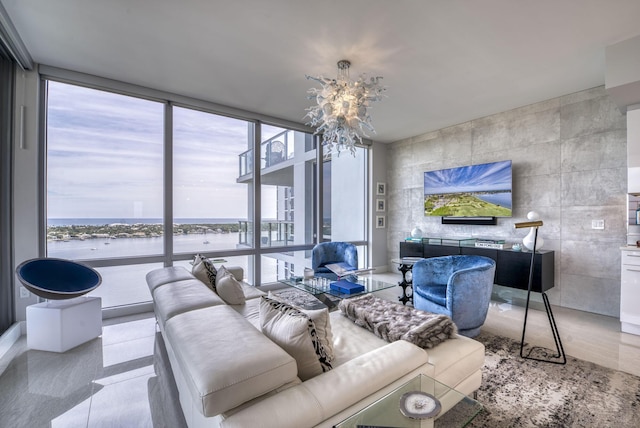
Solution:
(120, 379)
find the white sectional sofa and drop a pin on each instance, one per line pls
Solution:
(229, 374)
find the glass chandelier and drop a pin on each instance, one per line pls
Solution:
(341, 114)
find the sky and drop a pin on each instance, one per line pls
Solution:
(473, 178)
(105, 159)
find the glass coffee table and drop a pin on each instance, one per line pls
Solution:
(453, 409)
(321, 287)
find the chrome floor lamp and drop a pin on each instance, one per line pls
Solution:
(560, 358)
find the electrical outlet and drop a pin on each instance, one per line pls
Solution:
(24, 293)
(597, 224)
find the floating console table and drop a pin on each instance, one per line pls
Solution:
(512, 267)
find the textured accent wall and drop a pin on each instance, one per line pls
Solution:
(569, 165)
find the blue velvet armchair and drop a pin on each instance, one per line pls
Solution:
(457, 286)
(332, 252)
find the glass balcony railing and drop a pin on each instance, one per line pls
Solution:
(275, 233)
(275, 150)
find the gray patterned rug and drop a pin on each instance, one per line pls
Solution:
(522, 393)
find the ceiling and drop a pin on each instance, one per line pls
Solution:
(443, 62)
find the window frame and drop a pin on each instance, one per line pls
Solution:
(169, 100)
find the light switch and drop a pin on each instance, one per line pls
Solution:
(597, 224)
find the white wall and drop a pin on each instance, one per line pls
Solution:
(378, 174)
(25, 181)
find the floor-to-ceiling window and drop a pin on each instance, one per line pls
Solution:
(344, 207)
(105, 183)
(212, 208)
(287, 172)
(134, 183)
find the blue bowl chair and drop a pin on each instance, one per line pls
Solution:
(332, 252)
(457, 286)
(57, 279)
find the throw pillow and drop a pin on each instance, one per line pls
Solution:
(222, 271)
(322, 320)
(205, 271)
(229, 289)
(296, 333)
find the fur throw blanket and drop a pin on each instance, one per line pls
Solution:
(391, 321)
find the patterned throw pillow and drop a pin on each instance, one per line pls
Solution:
(319, 316)
(295, 332)
(205, 271)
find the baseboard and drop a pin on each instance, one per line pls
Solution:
(11, 336)
(123, 311)
(381, 269)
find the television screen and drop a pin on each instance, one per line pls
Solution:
(469, 191)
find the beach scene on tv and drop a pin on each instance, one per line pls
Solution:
(482, 190)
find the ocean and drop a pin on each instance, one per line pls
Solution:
(502, 199)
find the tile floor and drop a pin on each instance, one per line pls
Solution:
(120, 379)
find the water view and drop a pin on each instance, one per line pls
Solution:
(107, 238)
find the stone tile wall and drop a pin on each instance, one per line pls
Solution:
(569, 165)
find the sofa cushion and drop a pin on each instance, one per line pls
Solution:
(456, 360)
(162, 276)
(296, 333)
(351, 340)
(319, 399)
(229, 289)
(236, 271)
(205, 271)
(182, 296)
(207, 343)
(436, 293)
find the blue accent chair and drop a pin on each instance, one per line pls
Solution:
(458, 286)
(57, 279)
(332, 252)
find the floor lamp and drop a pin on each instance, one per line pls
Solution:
(547, 306)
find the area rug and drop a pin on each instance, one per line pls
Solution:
(523, 393)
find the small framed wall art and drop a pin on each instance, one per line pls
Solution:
(380, 205)
(381, 222)
(381, 189)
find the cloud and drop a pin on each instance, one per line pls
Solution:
(105, 158)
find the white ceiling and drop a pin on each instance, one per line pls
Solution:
(444, 61)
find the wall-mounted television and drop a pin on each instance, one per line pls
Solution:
(482, 190)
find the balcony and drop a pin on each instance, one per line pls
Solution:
(275, 233)
(276, 161)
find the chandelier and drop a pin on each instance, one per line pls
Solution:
(341, 114)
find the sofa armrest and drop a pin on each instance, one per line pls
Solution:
(236, 271)
(330, 393)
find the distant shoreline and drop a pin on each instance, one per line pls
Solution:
(100, 221)
(137, 230)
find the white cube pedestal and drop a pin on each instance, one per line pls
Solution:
(59, 325)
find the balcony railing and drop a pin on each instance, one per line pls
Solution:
(272, 152)
(277, 233)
